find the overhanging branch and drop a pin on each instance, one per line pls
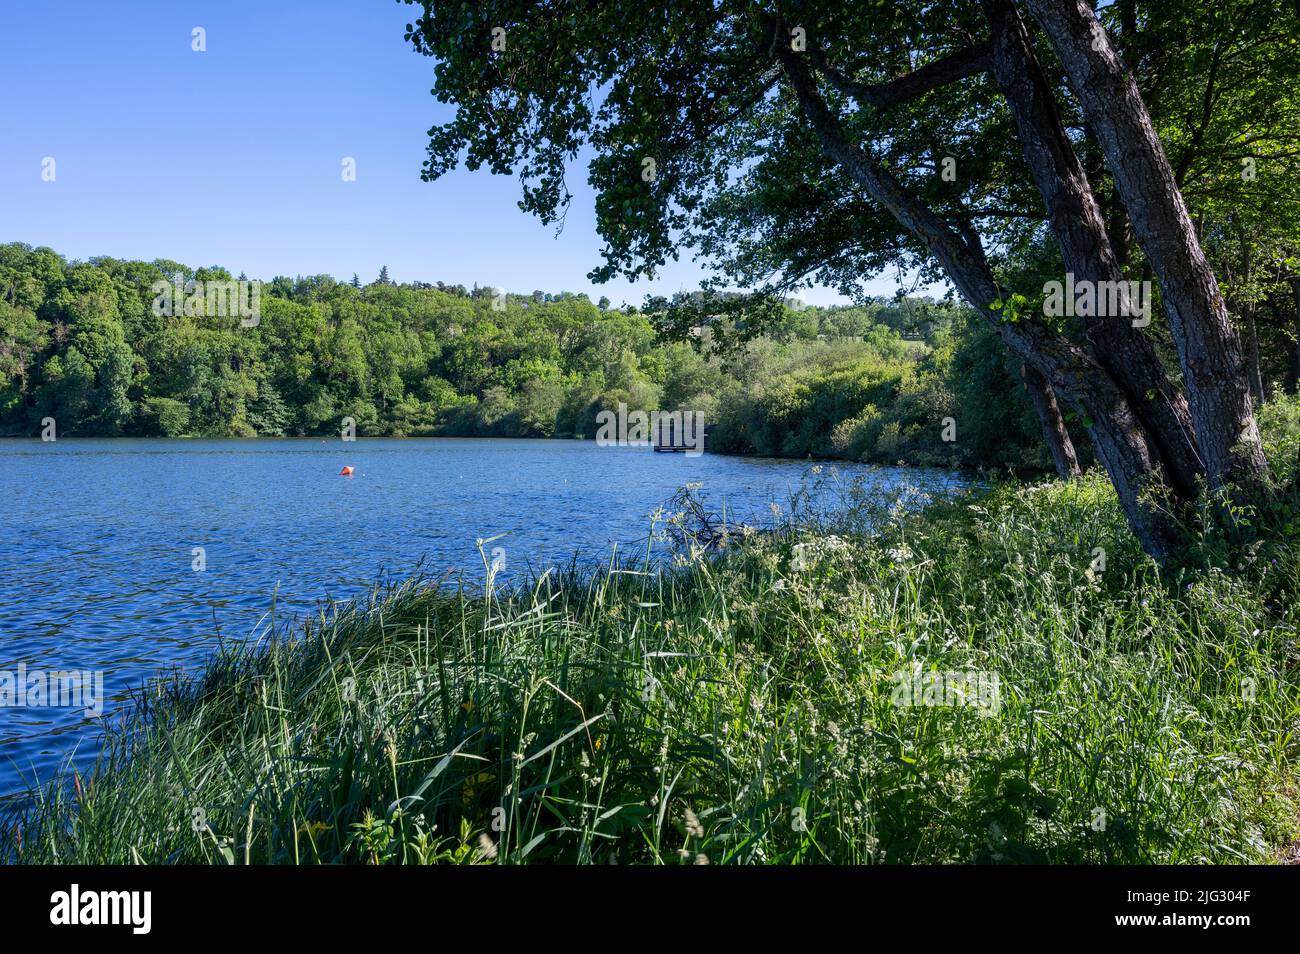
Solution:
(948, 69)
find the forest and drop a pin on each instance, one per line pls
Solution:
(83, 343)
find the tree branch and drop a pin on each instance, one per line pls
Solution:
(941, 72)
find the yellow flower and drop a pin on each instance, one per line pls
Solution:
(470, 788)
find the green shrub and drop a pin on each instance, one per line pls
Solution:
(166, 417)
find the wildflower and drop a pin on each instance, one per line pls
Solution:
(693, 827)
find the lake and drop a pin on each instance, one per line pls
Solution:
(133, 557)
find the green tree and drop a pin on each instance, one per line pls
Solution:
(814, 144)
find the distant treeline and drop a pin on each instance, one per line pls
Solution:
(99, 348)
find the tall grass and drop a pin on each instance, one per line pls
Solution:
(740, 707)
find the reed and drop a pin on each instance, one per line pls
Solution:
(744, 704)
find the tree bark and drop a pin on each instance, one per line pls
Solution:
(1252, 355)
(1119, 231)
(941, 72)
(1248, 307)
(1055, 434)
(1080, 231)
(1295, 353)
(1114, 429)
(1209, 349)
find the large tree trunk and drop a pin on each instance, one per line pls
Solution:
(1252, 354)
(1116, 433)
(1209, 349)
(1295, 352)
(1080, 231)
(1055, 434)
(1119, 231)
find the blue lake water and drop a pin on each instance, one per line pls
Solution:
(98, 539)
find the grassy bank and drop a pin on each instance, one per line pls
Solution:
(743, 708)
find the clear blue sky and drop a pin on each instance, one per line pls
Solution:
(232, 156)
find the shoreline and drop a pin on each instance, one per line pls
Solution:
(968, 472)
(393, 732)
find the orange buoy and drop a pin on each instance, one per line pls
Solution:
(345, 472)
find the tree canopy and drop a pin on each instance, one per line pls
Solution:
(997, 145)
(82, 343)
